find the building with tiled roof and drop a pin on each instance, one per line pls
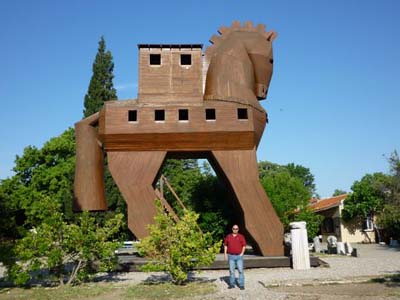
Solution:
(331, 211)
(327, 203)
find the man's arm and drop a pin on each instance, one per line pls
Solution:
(225, 252)
(243, 249)
(244, 246)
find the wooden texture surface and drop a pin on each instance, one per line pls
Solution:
(89, 189)
(135, 174)
(238, 68)
(132, 263)
(170, 80)
(259, 219)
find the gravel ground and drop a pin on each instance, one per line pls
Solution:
(373, 261)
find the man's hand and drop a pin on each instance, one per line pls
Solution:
(225, 256)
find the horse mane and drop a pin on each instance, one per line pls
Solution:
(230, 73)
(225, 32)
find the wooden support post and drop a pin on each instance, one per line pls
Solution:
(239, 167)
(135, 173)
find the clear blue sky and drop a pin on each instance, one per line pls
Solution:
(333, 103)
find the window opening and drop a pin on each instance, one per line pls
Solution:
(242, 114)
(186, 59)
(328, 225)
(183, 115)
(132, 116)
(155, 59)
(159, 115)
(368, 224)
(210, 114)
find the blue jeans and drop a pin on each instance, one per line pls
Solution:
(235, 261)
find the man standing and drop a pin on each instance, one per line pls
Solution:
(234, 246)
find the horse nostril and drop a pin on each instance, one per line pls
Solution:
(271, 61)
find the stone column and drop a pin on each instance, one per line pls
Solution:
(317, 244)
(340, 248)
(300, 254)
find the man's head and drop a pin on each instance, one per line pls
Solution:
(235, 228)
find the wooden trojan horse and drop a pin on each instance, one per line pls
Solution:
(189, 105)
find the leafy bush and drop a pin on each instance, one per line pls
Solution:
(66, 252)
(178, 247)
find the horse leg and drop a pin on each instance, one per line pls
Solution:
(239, 170)
(134, 173)
(89, 170)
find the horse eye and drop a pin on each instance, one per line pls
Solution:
(271, 61)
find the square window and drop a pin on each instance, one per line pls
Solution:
(155, 59)
(186, 59)
(210, 114)
(159, 115)
(242, 114)
(183, 115)
(368, 224)
(132, 116)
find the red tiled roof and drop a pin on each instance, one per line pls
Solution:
(324, 204)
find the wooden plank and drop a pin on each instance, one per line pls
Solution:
(166, 205)
(89, 190)
(132, 263)
(258, 220)
(135, 173)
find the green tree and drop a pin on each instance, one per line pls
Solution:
(176, 248)
(304, 174)
(183, 175)
(40, 173)
(290, 199)
(367, 198)
(101, 89)
(200, 190)
(389, 218)
(68, 251)
(46, 172)
(338, 192)
(266, 168)
(394, 194)
(101, 86)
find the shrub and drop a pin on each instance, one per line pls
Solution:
(66, 252)
(176, 248)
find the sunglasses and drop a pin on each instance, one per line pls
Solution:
(235, 228)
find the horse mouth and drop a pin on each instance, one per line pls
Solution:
(261, 91)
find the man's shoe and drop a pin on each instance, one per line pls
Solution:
(242, 288)
(231, 287)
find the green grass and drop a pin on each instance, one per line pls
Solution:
(110, 291)
(170, 291)
(84, 291)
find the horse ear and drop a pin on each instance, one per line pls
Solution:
(271, 36)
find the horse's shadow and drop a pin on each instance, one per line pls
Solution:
(225, 279)
(163, 278)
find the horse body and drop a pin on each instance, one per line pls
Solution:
(239, 72)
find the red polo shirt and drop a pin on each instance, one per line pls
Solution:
(235, 244)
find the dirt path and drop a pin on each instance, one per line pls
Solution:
(355, 291)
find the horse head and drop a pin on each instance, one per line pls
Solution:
(240, 63)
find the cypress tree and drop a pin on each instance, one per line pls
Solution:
(101, 86)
